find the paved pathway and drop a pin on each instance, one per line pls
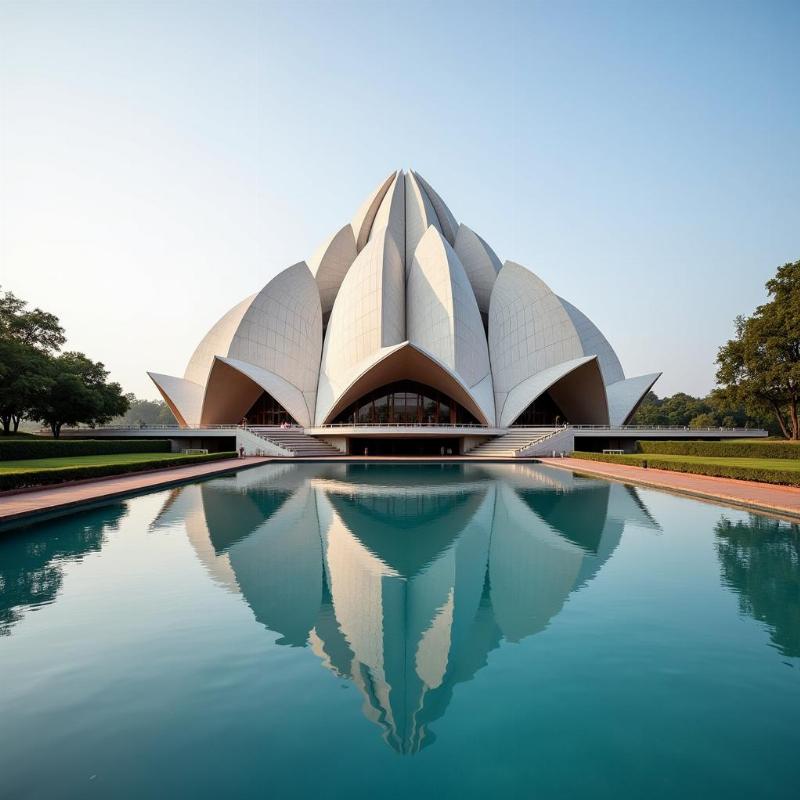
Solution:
(761, 496)
(55, 498)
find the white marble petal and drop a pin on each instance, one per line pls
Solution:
(443, 316)
(594, 343)
(392, 214)
(529, 330)
(216, 342)
(447, 222)
(419, 217)
(234, 385)
(365, 216)
(330, 263)
(400, 362)
(624, 396)
(281, 332)
(184, 398)
(480, 262)
(368, 316)
(576, 385)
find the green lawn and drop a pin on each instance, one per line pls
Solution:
(30, 464)
(784, 464)
(782, 471)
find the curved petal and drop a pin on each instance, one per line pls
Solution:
(624, 396)
(480, 263)
(233, 387)
(595, 344)
(529, 330)
(576, 386)
(443, 316)
(184, 398)
(216, 342)
(392, 214)
(402, 361)
(447, 222)
(368, 315)
(419, 217)
(330, 263)
(365, 216)
(281, 332)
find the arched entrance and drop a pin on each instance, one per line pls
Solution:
(542, 411)
(266, 410)
(405, 402)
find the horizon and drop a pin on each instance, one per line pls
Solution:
(159, 162)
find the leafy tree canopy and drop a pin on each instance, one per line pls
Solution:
(760, 367)
(37, 328)
(145, 412)
(713, 411)
(27, 340)
(78, 394)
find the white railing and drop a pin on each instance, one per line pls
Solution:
(662, 428)
(147, 427)
(334, 425)
(542, 438)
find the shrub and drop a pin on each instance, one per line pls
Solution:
(760, 474)
(43, 477)
(18, 449)
(633, 461)
(721, 449)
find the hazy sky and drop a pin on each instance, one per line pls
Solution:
(160, 160)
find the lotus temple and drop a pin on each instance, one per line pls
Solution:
(404, 333)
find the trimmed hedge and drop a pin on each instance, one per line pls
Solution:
(44, 477)
(698, 468)
(20, 449)
(633, 461)
(721, 449)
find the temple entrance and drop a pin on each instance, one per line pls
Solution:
(405, 402)
(542, 411)
(403, 447)
(268, 411)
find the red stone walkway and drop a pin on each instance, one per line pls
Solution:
(56, 498)
(760, 496)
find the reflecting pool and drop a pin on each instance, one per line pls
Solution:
(409, 631)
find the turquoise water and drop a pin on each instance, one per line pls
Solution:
(390, 631)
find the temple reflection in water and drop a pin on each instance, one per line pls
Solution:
(403, 580)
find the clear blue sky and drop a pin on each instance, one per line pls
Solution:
(161, 160)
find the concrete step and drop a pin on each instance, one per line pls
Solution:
(295, 441)
(508, 444)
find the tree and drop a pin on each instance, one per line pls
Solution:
(36, 328)
(27, 340)
(78, 394)
(25, 376)
(704, 420)
(712, 411)
(145, 412)
(760, 367)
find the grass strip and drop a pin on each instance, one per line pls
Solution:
(730, 449)
(17, 449)
(784, 472)
(25, 478)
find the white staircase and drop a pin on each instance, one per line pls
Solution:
(293, 441)
(509, 444)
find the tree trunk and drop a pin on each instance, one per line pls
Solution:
(55, 427)
(793, 418)
(6, 420)
(779, 416)
(16, 418)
